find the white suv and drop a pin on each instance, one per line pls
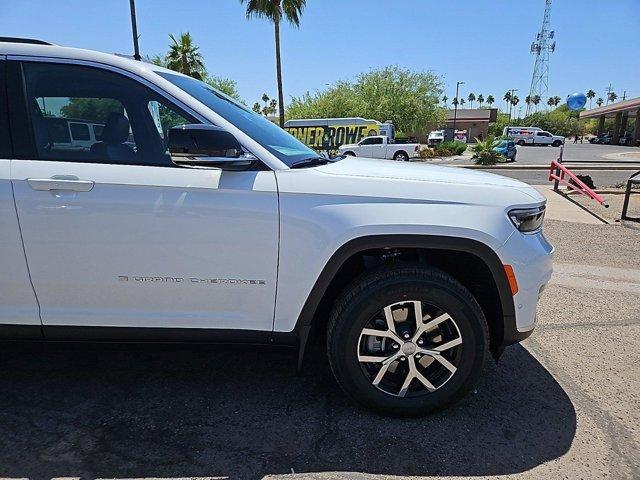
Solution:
(194, 219)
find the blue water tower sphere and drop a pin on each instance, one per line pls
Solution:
(576, 101)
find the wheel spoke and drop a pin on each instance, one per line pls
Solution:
(370, 358)
(411, 374)
(380, 333)
(417, 310)
(384, 368)
(388, 315)
(445, 363)
(422, 379)
(431, 324)
(450, 344)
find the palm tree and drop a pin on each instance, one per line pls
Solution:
(536, 100)
(471, 98)
(551, 101)
(600, 101)
(490, 100)
(454, 101)
(507, 97)
(556, 101)
(184, 57)
(515, 100)
(480, 100)
(276, 11)
(590, 95)
(461, 102)
(527, 100)
(444, 100)
(611, 97)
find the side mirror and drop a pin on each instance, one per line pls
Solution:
(200, 145)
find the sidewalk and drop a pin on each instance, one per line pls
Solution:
(562, 208)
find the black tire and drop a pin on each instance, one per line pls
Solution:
(521, 143)
(401, 156)
(349, 154)
(556, 143)
(369, 294)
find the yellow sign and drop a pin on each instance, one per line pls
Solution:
(332, 136)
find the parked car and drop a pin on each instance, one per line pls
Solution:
(380, 146)
(218, 226)
(435, 137)
(604, 139)
(508, 149)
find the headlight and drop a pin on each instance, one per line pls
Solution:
(527, 220)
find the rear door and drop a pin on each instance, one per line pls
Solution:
(115, 234)
(18, 305)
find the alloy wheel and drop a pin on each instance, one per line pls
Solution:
(410, 348)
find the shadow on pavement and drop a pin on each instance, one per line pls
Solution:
(159, 411)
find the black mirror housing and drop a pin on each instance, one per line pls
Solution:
(196, 140)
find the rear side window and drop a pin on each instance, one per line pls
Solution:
(5, 140)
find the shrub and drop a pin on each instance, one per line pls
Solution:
(483, 152)
(427, 152)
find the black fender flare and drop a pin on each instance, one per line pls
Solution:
(434, 242)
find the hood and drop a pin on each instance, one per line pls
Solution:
(417, 171)
(419, 180)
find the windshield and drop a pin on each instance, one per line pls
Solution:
(280, 143)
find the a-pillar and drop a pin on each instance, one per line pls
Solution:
(601, 125)
(636, 131)
(616, 129)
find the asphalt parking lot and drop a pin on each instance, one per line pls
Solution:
(565, 404)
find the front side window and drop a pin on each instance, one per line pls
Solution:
(283, 145)
(87, 114)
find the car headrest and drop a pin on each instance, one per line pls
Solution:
(116, 130)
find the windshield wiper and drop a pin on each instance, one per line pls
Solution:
(310, 162)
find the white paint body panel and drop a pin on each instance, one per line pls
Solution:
(143, 222)
(323, 208)
(18, 303)
(281, 225)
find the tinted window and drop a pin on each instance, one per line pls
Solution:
(5, 142)
(278, 142)
(65, 101)
(80, 131)
(376, 141)
(367, 141)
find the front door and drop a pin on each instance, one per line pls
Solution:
(116, 235)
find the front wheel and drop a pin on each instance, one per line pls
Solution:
(406, 341)
(401, 156)
(557, 143)
(521, 143)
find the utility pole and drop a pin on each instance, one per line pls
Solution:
(542, 47)
(455, 109)
(608, 90)
(134, 29)
(624, 96)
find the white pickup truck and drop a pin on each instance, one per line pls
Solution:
(212, 224)
(379, 146)
(533, 136)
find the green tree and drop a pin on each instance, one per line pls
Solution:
(275, 11)
(471, 98)
(600, 101)
(410, 99)
(590, 95)
(455, 101)
(612, 97)
(184, 57)
(490, 100)
(480, 100)
(93, 109)
(444, 100)
(515, 100)
(225, 85)
(527, 100)
(269, 107)
(462, 102)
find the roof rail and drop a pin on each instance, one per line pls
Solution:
(32, 41)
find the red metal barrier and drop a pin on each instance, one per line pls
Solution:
(557, 173)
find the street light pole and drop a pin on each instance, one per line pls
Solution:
(134, 28)
(455, 107)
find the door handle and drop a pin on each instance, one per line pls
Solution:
(61, 182)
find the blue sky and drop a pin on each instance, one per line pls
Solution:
(484, 43)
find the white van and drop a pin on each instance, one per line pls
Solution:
(532, 136)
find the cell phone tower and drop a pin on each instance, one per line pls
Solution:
(543, 46)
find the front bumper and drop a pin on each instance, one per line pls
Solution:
(531, 256)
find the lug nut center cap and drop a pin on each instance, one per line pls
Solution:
(409, 348)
